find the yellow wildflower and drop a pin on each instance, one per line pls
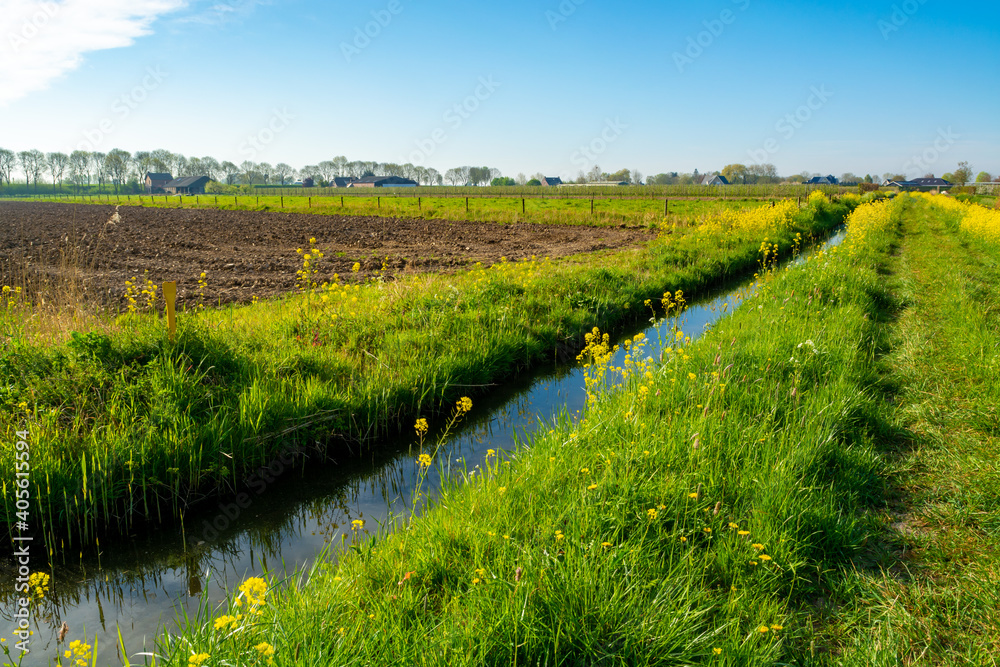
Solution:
(254, 589)
(223, 621)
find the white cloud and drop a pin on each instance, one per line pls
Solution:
(41, 40)
(224, 12)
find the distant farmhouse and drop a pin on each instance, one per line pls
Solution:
(189, 185)
(156, 182)
(822, 180)
(551, 182)
(918, 184)
(342, 181)
(713, 179)
(596, 184)
(382, 182)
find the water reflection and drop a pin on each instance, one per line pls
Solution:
(144, 583)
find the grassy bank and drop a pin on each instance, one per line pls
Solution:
(932, 594)
(126, 427)
(692, 516)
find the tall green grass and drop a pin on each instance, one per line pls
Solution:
(695, 513)
(931, 594)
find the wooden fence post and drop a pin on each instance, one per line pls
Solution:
(170, 296)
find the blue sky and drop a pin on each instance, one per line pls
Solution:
(526, 86)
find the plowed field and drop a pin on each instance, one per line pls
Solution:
(253, 253)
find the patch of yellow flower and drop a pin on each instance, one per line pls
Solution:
(38, 584)
(79, 653)
(254, 591)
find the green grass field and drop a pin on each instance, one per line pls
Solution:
(814, 482)
(551, 209)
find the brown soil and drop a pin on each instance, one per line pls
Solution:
(253, 253)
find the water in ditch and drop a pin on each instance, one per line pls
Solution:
(137, 587)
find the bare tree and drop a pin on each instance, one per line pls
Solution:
(116, 163)
(57, 164)
(97, 164)
(248, 170)
(162, 161)
(340, 164)
(265, 170)
(79, 167)
(210, 167)
(231, 171)
(636, 177)
(7, 161)
(595, 174)
(327, 169)
(282, 171)
(454, 176)
(32, 163)
(142, 162)
(521, 179)
(434, 177)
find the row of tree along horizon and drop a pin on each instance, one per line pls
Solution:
(125, 172)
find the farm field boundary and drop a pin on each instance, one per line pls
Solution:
(541, 209)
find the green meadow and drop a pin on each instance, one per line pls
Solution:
(813, 483)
